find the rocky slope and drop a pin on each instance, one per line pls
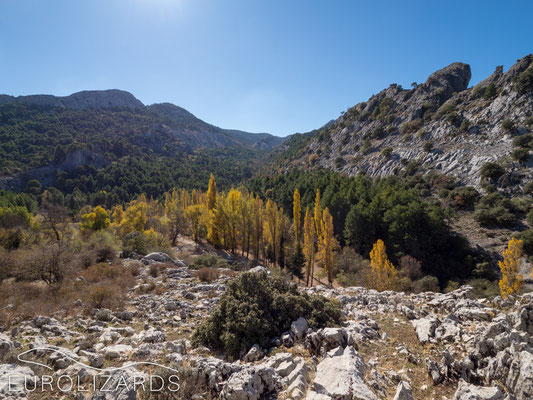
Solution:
(392, 346)
(440, 125)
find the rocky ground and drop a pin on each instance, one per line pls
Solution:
(392, 346)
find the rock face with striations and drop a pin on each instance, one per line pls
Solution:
(440, 125)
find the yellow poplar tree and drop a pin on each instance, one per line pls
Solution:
(194, 214)
(272, 229)
(309, 246)
(296, 214)
(233, 212)
(318, 214)
(118, 214)
(511, 282)
(327, 243)
(383, 273)
(258, 221)
(135, 216)
(211, 193)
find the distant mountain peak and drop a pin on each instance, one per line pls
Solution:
(87, 99)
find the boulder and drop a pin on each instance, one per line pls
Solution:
(312, 395)
(520, 378)
(466, 391)
(254, 354)
(252, 383)
(342, 377)
(299, 328)
(259, 270)
(425, 328)
(434, 371)
(403, 392)
(157, 257)
(152, 336)
(116, 351)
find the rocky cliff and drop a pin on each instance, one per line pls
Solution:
(439, 125)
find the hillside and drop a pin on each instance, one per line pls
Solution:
(110, 137)
(440, 125)
(465, 148)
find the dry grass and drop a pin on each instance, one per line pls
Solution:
(402, 333)
(102, 285)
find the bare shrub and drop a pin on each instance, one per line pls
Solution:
(105, 296)
(135, 268)
(105, 253)
(207, 274)
(410, 267)
(154, 270)
(101, 271)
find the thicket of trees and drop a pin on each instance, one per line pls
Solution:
(407, 236)
(399, 211)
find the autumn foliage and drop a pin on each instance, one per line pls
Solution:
(383, 273)
(511, 282)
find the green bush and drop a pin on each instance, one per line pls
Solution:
(255, 308)
(426, 284)
(413, 126)
(524, 81)
(528, 188)
(387, 152)
(530, 217)
(447, 107)
(494, 209)
(453, 118)
(484, 270)
(484, 288)
(490, 91)
(451, 286)
(523, 140)
(520, 155)
(465, 125)
(135, 242)
(427, 147)
(208, 260)
(464, 197)
(491, 170)
(508, 125)
(527, 238)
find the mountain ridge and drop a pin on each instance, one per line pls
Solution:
(116, 98)
(436, 125)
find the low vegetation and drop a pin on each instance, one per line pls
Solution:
(256, 308)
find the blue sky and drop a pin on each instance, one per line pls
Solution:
(277, 66)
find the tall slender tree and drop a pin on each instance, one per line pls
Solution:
(296, 210)
(309, 246)
(211, 193)
(318, 214)
(327, 243)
